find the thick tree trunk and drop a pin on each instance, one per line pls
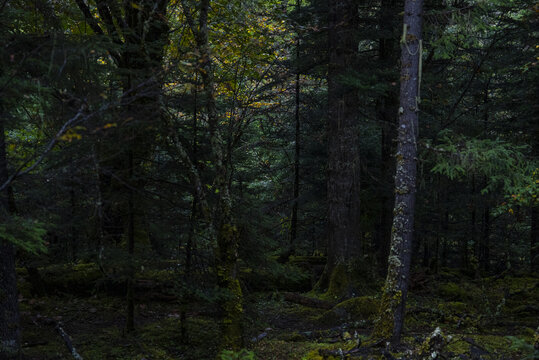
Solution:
(9, 305)
(343, 182)
(391, 316)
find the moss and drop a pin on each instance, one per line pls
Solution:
(458, 347)
(339, 282)
(313, 355)
(295, 337)
(24, 287)
(385, 322)
(454, 307)
(452, 291)
(360, 308)
(232, 301)
(232, 322)
(277, 349)
(72, 278)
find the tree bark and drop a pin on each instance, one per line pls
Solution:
(534, 239)
(386, 109)
(484, 254)
(343, 183)
(9, 305)
(225, 230)
(392, 307)
(297, 148)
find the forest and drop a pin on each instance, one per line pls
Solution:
(269, 179)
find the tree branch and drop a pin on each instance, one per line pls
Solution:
(89, 17)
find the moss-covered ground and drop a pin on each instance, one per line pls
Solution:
(489, 318)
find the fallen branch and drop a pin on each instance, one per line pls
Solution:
(307, 301)
(68, 342)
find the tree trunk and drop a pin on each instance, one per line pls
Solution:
(192, 222)
(484, 254)
(343, 182)
(226, 232)
(391, 315)
(534, 239)
(386, 109)
(294, 219)
(130, 322)
(9, 305)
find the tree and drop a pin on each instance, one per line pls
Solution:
(386, 110)
(9, 305)
(392, 306)
(343, 183)
(137, 34)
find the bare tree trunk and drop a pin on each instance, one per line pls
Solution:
(9, 305)
(391, 315)
(343, 183)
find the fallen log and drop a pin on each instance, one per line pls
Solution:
(307, 301)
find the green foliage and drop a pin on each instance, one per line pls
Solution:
(243, 354)
(526, 349)
(24, 233)
(502, 163)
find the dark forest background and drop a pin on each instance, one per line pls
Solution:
(178, 177)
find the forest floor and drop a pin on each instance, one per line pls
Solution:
(490, 318)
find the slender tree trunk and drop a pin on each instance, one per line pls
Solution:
(484, 255)
(534, 239)
(294, 219)
(343, 183)
(192, 221)
(9, 305)
(130, 322)
(392, 307)
(73, 232)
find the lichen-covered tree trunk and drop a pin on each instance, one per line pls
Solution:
(392, 307)
(343, 182)
(9, 305)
